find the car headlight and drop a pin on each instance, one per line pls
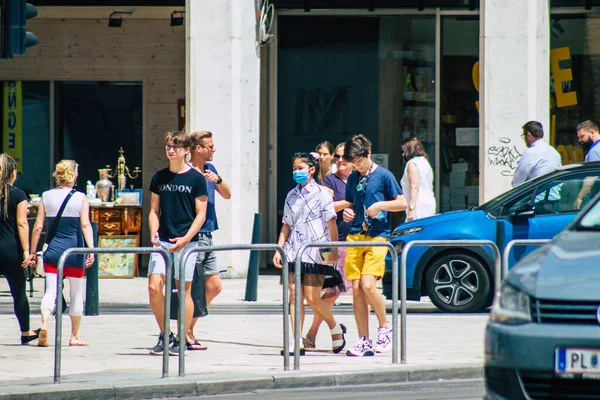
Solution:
(511, 306)
(407, 231)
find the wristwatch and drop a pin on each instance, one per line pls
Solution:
(219, 181)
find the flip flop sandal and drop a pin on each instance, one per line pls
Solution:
(195, 346)
(309, 344)
(43, 338)
(338, 345)
(78, 342)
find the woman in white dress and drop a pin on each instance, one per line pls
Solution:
(417, 181)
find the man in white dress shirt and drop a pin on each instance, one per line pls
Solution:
(539, 158)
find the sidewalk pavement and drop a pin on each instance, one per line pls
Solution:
(243, 350)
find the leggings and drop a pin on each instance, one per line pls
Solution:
(76, 289)
(16, 281)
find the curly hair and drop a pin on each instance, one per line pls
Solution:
(66, 172)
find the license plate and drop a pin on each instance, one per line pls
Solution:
(577, 361)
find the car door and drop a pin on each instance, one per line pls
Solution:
(553, 203)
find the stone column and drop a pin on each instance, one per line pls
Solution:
(222, 96)
(515, 85)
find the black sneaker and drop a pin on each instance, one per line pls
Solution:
(174, 348)
(158, 349)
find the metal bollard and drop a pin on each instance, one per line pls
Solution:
(252, 276)
(91, 283)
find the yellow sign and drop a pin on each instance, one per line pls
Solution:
(563, 99)
(13, 121)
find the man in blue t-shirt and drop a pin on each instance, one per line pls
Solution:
(177, 211)
(372, 192)
(202, 151)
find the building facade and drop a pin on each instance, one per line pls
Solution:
(461, 75)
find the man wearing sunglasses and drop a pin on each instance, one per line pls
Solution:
(372, 192)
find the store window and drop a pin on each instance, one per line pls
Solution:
(26, 131)
(574, 80)
(338, 76)
(459, 121)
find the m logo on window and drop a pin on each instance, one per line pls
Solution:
(321, 112)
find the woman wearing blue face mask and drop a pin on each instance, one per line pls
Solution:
(309, 216)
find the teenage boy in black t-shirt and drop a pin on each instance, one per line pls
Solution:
(177, 211)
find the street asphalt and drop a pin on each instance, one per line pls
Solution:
(243, 349)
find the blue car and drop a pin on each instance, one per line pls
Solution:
(460, 279)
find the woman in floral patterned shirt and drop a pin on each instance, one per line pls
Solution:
(309, 216)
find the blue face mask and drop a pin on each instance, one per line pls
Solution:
(301, 176)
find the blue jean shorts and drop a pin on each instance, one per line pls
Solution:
(157, 262)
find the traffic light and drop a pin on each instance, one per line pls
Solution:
(14, 37)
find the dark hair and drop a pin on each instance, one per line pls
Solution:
(312, 159)
(535, 128)
(179, 138)
(196, 138)
(325, 144)
(8, 165)
(412, 147)
(587, 126)
(356, 146)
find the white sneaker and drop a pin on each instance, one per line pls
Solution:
(362, 347)
(384, 339)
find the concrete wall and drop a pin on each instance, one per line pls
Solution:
(223, 82)
(515, 85)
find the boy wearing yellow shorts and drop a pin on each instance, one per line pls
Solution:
(372, 192)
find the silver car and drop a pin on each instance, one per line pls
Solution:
(543, 335)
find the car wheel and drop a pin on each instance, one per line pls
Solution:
(458, 283)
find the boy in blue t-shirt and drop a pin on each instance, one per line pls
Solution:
(372, 192)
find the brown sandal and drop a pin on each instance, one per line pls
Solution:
(43, 338)
(309, 344)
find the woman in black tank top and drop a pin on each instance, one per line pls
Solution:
(14, 243)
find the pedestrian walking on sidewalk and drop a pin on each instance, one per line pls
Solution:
(326, 165)
(372, 192)
(202, 151)
(309, 216)
(417, 180)
(177, 211)
(336, 182)
(14, 243)
(68, 213)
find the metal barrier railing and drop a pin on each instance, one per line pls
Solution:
(517, 242)
(297, 302)
(258, 246)
(448, 243)
(101, 250)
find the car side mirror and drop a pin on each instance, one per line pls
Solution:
(524, 212)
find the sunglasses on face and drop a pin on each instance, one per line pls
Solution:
(337, 157)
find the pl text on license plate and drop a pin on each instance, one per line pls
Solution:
(577, 361)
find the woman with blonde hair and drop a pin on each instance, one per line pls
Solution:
(71, 225)
(417, 181)
(14, 243)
